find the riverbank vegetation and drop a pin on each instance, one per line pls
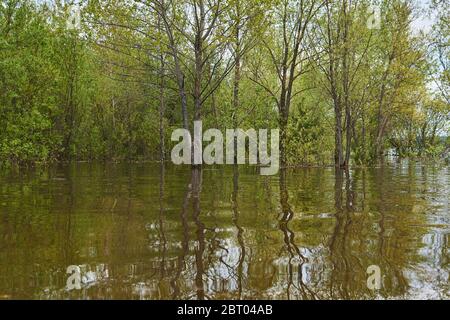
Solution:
(342, 87)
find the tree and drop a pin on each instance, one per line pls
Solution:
(287, 51)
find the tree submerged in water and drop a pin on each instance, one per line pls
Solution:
(118, 81)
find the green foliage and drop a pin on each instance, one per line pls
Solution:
(96, 93)
(308, 137)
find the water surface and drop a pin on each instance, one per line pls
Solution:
(139, 231)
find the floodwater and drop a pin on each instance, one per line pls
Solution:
(138, 231)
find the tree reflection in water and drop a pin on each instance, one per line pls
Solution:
(165, 232)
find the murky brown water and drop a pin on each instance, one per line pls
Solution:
(220, 233)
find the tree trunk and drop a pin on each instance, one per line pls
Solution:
(161, 110)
